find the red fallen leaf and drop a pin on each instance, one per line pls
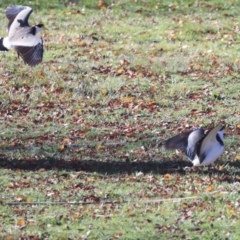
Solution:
(44, 137)
(49, 119)
(87, 188)
(115, 103)
(195, 96)
(151, 106)
(15, 144)
(211, 112)
(124, 89)
(78, 132)
(58, 90)
(91, 198)
(195, 112)
(79, 185)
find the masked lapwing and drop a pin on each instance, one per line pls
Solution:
(21, 36)
(201, 149)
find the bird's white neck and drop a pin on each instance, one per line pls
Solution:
(220, 133)
(38, 29)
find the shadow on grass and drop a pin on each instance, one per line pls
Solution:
(120, 167)
(101, 167)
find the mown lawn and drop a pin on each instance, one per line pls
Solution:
(81, 134)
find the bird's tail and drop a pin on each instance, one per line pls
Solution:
(4, 44)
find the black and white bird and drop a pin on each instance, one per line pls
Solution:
(21, 36)
(201, 149)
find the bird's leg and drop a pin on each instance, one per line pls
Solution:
(210, 176)
(211, 168)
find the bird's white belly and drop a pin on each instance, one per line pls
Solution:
(22, 37)
(210, 158)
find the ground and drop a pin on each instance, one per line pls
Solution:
(81, 134)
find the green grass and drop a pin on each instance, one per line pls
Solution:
(81, 134)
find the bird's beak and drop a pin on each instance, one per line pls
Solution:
(44, 28)
(223, 127)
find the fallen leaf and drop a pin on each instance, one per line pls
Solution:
(167, 177)
(127, 99)
(100, 147)
(102, 5)
(231, 210)
(237, 158)
(21, 222)
(210, 188)
(11, 185)
(62, 148)
(120, 71)
(91, 179)
(104, 91)
(184, 205)
(220, 168)
(31, 222)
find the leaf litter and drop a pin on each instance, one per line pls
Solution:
(77, 153)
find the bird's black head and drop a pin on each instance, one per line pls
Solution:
(40, 25)
(37, 28)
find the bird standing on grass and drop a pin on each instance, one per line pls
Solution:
(22, 37)
(201, 149)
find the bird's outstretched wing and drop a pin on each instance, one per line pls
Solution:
(179, 141)
(13, 10)
(207, 142)
(31, 55)
(186, 141)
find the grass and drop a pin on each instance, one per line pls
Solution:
(81, 134)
